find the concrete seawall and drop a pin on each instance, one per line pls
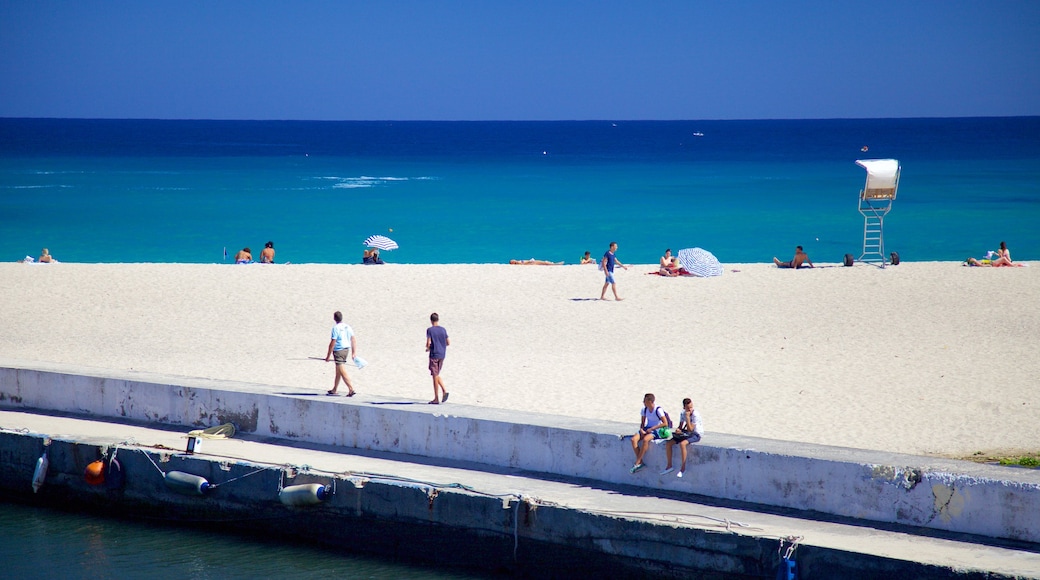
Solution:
(475, 525)
(953, 496)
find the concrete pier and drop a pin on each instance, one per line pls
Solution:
(529, 491)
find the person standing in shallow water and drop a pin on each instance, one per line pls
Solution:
(437, 345)
(608, 263)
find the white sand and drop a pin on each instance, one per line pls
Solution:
(931, 357)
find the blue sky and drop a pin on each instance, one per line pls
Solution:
(518, 60)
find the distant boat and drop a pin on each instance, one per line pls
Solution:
(698, 134)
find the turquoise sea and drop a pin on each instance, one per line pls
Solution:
(451, 192)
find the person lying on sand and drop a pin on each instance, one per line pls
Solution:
(800, 258)
(533, 262)
(587, 258)
(999, 259)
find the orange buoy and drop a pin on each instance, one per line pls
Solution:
(95, 473)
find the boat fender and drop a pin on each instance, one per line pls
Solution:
(848, 259)
(305, 494)
(894, 257)
(186, 483)
(94, 474)
(115, 477)
(40, 475)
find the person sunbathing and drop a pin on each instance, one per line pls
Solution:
(666, 259)
(800, 258)
(267, 255)
(533, 262)
(999, 259)
(1003, 257)
(672, 267)
(371, 257)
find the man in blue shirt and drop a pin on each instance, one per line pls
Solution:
(609, 260)
(437, 345)
(342, 344)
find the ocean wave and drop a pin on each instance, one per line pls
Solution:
(368, 181)
(56, 185)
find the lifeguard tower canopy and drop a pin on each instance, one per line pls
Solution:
(875, 201)
(882, 178)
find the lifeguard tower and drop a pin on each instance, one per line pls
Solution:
(875, 201)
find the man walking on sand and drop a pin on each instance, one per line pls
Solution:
(342, 344)
(607, 265)
(437, 345)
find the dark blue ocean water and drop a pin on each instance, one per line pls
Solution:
(182, 191)
(42, 543)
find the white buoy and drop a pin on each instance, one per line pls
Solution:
(305, 494)
(186, 483)
(41, 472)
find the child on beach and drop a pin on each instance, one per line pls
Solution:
(654, 423)
(689, 431)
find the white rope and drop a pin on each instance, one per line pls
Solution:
(161, 472)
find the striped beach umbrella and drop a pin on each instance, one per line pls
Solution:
(699, 262)
(381, 242)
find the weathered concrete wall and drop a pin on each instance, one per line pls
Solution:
(903, 489)
(420, 522)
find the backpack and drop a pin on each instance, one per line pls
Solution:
(658, 410)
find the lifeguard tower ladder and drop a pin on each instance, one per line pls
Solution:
(875, 201)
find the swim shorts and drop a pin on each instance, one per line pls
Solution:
(610, 278)
(435, 366)
(341, 356)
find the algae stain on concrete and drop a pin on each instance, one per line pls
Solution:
(244, 421)
(884, 472)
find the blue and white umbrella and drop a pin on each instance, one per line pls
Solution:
(381, 242)
(699, 262)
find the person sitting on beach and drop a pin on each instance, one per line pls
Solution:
(587, 258)
(800, 258)
(267, 255)
(998, 259)
(45, 257)
(652, 423)
(1003, 257)
(371, 257)
(533, 262)
(244, 256)
(666, 259)
(671, 268)
(689, 431)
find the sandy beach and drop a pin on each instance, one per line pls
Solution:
(927, 357)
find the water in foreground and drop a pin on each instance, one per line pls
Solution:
(42, 543)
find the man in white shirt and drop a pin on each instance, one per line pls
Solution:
(342, 344)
